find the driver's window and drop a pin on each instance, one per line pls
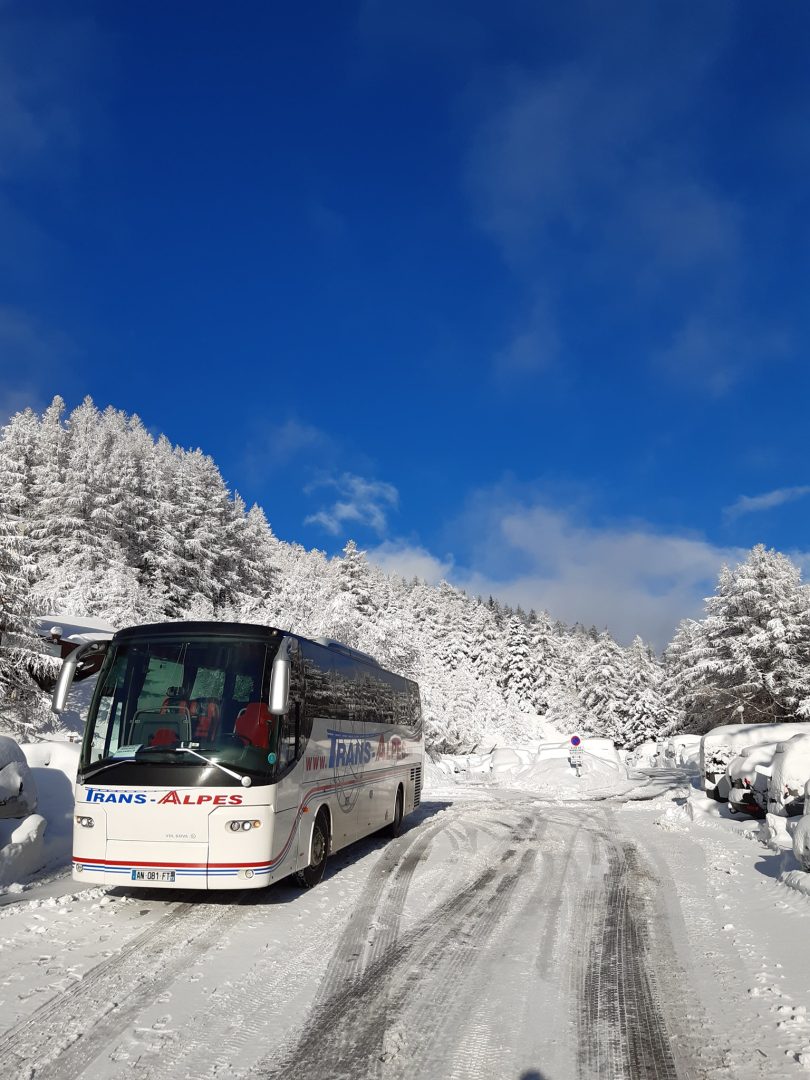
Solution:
(290, 737)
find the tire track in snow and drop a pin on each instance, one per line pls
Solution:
(64, 1036)
(518, 1019)
(248, 998)
(622, 1029)
(455, 975)
(370, 1022)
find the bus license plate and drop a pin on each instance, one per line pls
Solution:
(165, 877)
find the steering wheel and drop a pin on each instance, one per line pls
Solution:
(235, 737)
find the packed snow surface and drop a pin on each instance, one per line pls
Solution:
(527, 923)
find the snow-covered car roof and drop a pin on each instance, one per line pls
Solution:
(751, 760)
(740, 735)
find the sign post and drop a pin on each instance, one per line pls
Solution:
(575, 754)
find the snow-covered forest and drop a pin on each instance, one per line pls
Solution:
(98, 518)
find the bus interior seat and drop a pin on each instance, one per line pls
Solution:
(158, 729)
(253, 724)
(205, 717)
(164, 737)
(175, 702)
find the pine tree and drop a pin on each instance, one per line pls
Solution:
(749, 662)
(21, 653)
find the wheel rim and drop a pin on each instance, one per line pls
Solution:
(318, 846)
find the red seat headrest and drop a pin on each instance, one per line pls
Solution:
(254, 723)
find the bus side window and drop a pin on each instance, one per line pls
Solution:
(289, 725)
(292, 739)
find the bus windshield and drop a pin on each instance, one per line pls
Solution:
(157, 696)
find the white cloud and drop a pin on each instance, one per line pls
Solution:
(534, 347)
(293, 437)
(632, 578)
(275, 446)
(715, 351)
(360, 501)
(411, 560)
(47, 68)
(582, 172)
(749, 504)
(27, 349)
(17, 399)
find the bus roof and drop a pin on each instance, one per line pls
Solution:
(232, 629)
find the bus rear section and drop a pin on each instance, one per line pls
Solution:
(224, 756)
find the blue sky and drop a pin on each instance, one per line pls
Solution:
(509, 294)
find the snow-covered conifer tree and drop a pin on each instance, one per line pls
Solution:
(750, 661)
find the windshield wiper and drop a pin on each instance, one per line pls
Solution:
(103, 768)
(244, 780)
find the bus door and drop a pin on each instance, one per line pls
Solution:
(288, 746)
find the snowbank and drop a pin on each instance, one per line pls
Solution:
(543, 767)
(551, 774)
(790, 772)
(729, 739)
(42, 840)
(680, 751)
(18, 791)
(645, 755)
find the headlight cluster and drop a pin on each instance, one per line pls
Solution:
(243, 826)
(85, 822)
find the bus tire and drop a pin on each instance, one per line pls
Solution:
(312, 874)
(395, 826)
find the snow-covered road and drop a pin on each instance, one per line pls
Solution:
(499, 937)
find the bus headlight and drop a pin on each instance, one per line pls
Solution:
(243, 826)
(85, 822)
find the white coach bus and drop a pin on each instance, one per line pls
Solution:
(225, 755)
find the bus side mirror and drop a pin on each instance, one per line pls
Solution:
(68, 670)
(280, 684)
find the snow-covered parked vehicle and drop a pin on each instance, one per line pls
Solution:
(679, 751)
(63, 634)
(789, 775)
(747, 776)
(645, 755)
(18, 792)
(801, 834)
(721, 744)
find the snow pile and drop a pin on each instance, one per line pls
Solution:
(676, 752)
(790, 772)
(722, 743)
(551, 773)
(751, 762)
(40, 840)
(18, 792)
(801, 842)
(680, 751)
(645, 755)
(543, 767)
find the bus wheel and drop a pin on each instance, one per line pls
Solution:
(320, 849)
(395, 827)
